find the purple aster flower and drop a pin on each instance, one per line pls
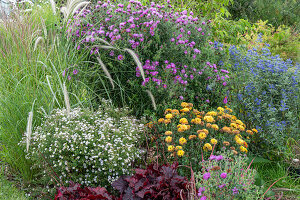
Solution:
(120, 57)
(224, 83)
(212, 157)
(225, 100)
(64, 73)
(200, 190)
(221, 186)
(75, 71)
(219, 157)
(203, 198)
(235, 191)
(206, 176)
(121, 5)
(223, 175)
(181, 97)
(207, 100)
(69, 77)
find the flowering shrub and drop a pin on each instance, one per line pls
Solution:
(226, 176)
(173, 47)
(91, 148)
(267, 94)
(186, 134)
(155, 182)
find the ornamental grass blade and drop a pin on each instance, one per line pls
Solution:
(106, 72)
(67, 100)
(137, 61)
(28, 130)
(37, 41)
(53, 5)
(152, 99)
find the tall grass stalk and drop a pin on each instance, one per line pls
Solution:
(23, 80)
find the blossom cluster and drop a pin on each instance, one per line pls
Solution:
(269, 94)
(188, 132)
(90, 148)
(226, 176)
(174, 47)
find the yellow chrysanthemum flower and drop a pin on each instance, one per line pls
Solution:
(192, 137)
(168, 133)
(211, 113)
(215, 127)
(169, 116)
(180, 153)
(184, 104)
(240, 141)
(209, 119)
(175, 112)
(182, 141)
(185, 110)
(249, 132)
(241, 128)
(220, 109)
(233, 117)
(226, 129)
(197, 121)
(161, 120)
(207, 147)
(243, 149)
(205, 131)
(239, 122)
(233, 125)
(167, 121)
(183, 121)
(254, 130)
(226, 143)
(196, 112)
(168, 110)
(213, 141)
(178, 148)
(171, 148)
(168, 139)
(201, 135)
(208, 125)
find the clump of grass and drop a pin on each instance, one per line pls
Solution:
(24, 68)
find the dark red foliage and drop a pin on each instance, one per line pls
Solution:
(75, 192)
(156, 182)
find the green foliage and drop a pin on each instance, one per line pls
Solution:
(175, 57)
(33, 55)
(266, 93)
(10, 192)
(90, 148)
(276, 12)
(282, 40)
(227, 176)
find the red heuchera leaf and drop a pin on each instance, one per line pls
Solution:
(156, 182)
(75, 192)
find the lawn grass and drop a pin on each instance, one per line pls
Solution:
(286, 183)
(8, 191)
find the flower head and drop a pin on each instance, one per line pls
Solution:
(182, 141)
(168, 139)
(180, 153)
(223, 175)
(120, 57)
(206, 176)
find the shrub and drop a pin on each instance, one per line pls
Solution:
(173, 47)
(188, 136)
(75, 191)
(266, 93)
(227, 176)
(91, 148)
(277, 12)
(155, 182)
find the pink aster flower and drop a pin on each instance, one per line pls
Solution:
(120, 57)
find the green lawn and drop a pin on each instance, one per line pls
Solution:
(9, 192)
